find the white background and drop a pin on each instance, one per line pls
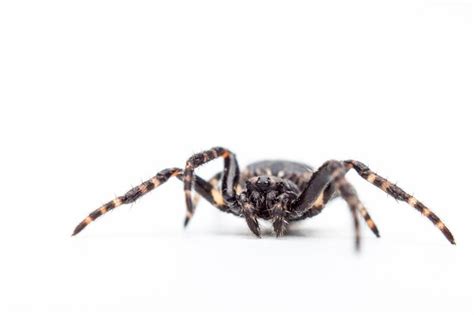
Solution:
(97, 96)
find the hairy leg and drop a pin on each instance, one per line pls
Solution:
(230, 177)
(214, 182)
(349, 194)
(320, 190)
(399, 194)
(202, 187)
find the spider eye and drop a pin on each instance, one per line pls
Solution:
(263, 183)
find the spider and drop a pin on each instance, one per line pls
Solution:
(278, 191)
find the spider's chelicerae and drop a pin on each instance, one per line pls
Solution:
(279, 191)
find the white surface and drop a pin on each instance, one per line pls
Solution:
(97, 96)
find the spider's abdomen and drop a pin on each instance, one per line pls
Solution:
(298, 173)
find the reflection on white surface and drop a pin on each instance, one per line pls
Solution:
(210, 268)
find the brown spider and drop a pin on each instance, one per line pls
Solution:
(279, 191)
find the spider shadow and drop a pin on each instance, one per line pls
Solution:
(294, 231)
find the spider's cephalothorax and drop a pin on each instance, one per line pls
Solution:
(268, 198)
(278, 191)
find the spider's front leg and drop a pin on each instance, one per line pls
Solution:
(324, 183)
(329, 193)
(203, 188)
(131, 196)
(327, 180)
(399, 194)
(230, 179)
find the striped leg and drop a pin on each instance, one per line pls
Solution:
(349, 194)
(132, 195)
(202, 187)
(230, 177)
(330, 193)
(210, 192)
(370, 223)
(397, 193)
(313, 194)
(214, 182)
(318, 204)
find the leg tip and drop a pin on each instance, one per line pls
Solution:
(79, 228)
(357, 248)
(186, 222)
(357, 245)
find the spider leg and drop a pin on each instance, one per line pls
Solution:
(370, 223)
(247, 211)
(202, 187)
(399, 194)
(331, 193)
(131, 196)
(349, 194)
(207, 190)
(322, 186)
(319, 190)
(360, 208)
(313, 194)
(318, 205)
(214, 181)
(230, 178)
